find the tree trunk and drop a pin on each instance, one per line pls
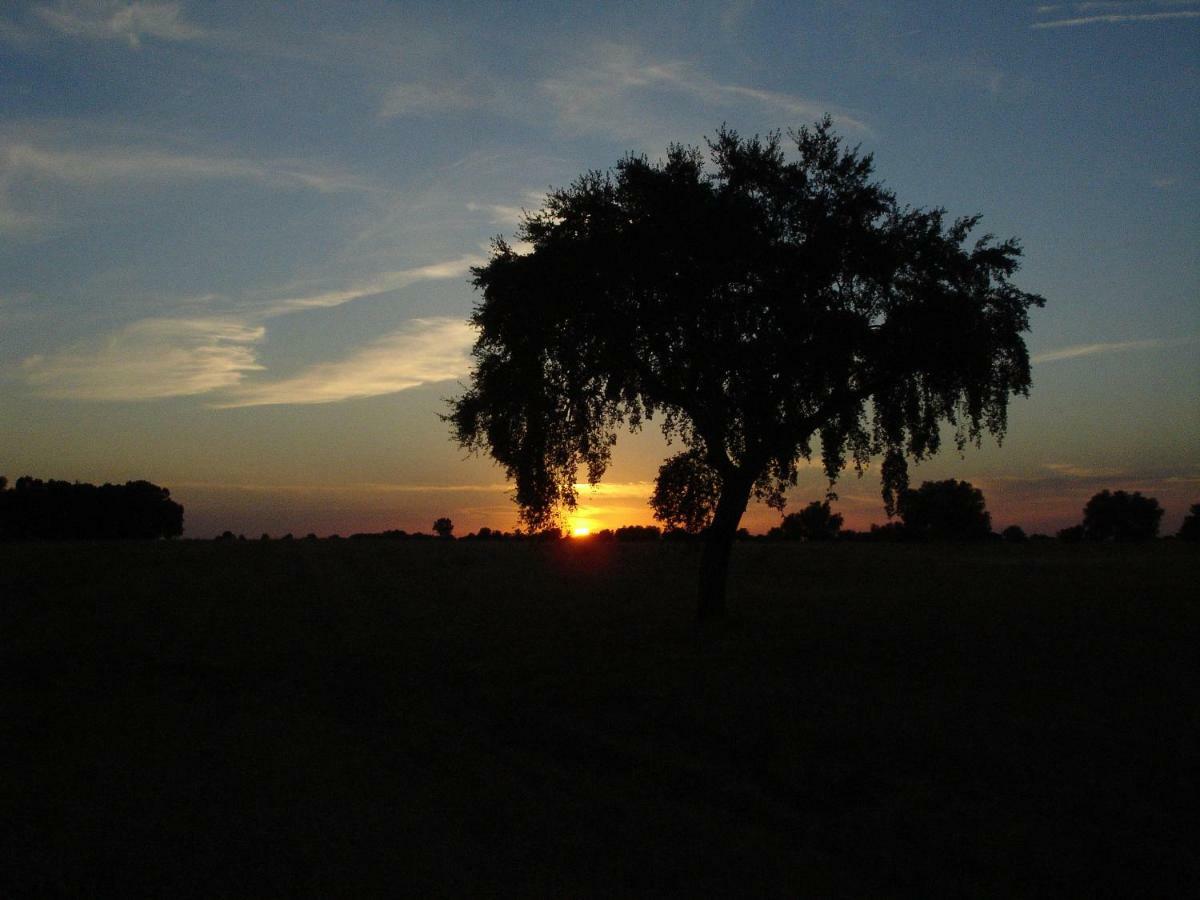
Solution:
(718, 545)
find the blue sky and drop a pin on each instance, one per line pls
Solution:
(234, 238)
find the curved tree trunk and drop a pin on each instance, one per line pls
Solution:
(718, 545)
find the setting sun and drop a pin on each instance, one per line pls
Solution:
(579, 530)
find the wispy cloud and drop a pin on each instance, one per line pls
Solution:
(1070, 470)
(174, 357)
(594, 96)
(127, 21)
(149, 359)
(376, 284)
(419, 98)
(423, 352)
(1111, 12)
(498, 214)
(1079, 350)
(17, 221)
(96, 166)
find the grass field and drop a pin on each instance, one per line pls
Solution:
(334, 718)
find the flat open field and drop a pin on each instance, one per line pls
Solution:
(338, 718)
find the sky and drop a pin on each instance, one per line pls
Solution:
(235, 238)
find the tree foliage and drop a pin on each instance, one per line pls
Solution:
(1189, 530)
(945, 510)
(443, 527)
(34, 509)
(763, 309)
(686, 493)
(816, 522)
(1118, 516)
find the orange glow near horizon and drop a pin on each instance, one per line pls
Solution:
(580, 527)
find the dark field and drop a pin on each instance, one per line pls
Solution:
(445, 719)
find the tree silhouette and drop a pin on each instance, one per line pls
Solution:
(685, 493)
(945, 510)
(62, 510)
(443, 527)
(759, 306)
(1014, 534)
(1190, 529)
(816, 522)
(1120, 516)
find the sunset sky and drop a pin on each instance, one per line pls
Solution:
(235, 237)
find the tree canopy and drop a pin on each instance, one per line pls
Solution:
(816, 522)
(1118, 516)
(764, 309)
(62, 510)
(945, 510)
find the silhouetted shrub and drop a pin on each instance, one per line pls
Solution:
(1072, 535)
(892, 531)
(1118, 516)
(1190, 529)
(1014, 534)
(61, 510)
(945, 510)
(443, 527)
(638, 533)
(816, 522)
(686, 493)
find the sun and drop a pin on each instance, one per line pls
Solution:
(580, 527)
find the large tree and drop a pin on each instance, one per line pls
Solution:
(760, 306)
(945, 510)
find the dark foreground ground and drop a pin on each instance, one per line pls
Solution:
(321, 719)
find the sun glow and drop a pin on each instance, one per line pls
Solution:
(580, 531)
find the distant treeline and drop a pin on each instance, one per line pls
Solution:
(936, 511)
(36, 510)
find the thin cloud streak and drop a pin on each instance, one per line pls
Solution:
(363, 487)
(149, 359)
(1114, 18)
(94, 167)
(108, 20)
(1080, 350)
(161, 357)
(590, 98)
(426, 351)
(418, 98)
(377, 284)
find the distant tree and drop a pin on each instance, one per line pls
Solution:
(1014, 534)
(686, 493)
(889, 533)
(638, 533)
(443, 527)
(760, 306)
(1190, 529)
(945, 510)
(816, 522)
(61, 510)
(1071, 535)
(1119, 516)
